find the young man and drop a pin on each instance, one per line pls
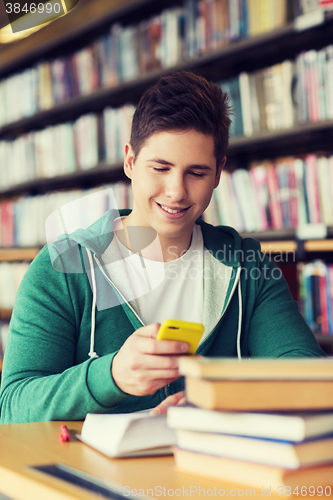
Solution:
(86, 341)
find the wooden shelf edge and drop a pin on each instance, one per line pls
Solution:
(318, 245)
(292, 246)
(18, 254)
(101, 173)
(278, 246)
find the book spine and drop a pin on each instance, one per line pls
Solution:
(274, 203)
(312, 188)
(330, 297)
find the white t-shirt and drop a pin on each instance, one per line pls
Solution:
(164, 290)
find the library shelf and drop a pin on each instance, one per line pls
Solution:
(295, 140)
(279, 234)
(18, 254)
(94, 19)
(246, 54)
(283, 246)
(87, 21)
(300, 139)
(318, 245)
(270, 247)
(285, 240)
(100, 174)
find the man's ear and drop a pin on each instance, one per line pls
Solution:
(218, 172)
(129, 160)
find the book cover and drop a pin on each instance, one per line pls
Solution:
(285, 426)
(284, 454)
(311, 80)
(284, 193)
(259, 183)
(252, 474)
(260, 395)
(323, 302)
(274, 201)
(325, 200)
(293, 191)
(315, 291)
(312, 188)
(257, 368)
(244, 86)
(329, 281)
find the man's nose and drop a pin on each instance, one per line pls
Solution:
(176, 188)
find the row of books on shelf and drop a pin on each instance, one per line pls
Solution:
(4, 326)
(283, 95)
(35, 220)
(316, 295)
(267, 424)
(270, 99)
(262, 101)
(126, 52)
(66, 148)
(276, 194)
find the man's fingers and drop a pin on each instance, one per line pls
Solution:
(159, 347)
(149, 331)
(145, 342)
(174, 399)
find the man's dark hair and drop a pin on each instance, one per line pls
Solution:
(183, 101)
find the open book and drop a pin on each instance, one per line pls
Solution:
(128, 434)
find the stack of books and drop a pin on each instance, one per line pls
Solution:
(262, 423)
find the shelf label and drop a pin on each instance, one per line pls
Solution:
(306, 21)
(311, 231)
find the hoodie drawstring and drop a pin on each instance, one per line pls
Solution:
(92, 354)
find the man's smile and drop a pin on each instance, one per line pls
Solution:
(172, 210)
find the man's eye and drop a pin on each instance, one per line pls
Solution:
(160, 169)
(197, 174)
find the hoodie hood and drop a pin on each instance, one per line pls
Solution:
(225, 245)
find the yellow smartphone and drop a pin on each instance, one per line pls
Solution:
(184, 331)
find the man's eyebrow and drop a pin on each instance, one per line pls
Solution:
(162, 162)
(168, 163)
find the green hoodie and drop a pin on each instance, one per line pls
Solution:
(63, 336)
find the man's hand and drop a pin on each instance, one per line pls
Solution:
(177, 399)
(143, 364)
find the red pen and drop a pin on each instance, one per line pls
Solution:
(64, 434)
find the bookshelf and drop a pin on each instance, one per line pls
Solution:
(18, 254)
(93, 19)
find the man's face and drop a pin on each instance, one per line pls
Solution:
(173, 179)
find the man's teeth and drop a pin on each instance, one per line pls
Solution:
(172, 211)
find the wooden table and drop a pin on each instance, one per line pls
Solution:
(24, 445)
